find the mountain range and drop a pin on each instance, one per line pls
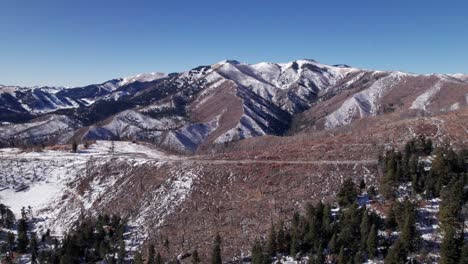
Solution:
(221, 103)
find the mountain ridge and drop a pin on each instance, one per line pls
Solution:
(231, 100)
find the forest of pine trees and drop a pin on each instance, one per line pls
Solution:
(347, 236)
(341, 232)
(353, 234)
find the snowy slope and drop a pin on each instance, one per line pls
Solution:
(461, 76)
(128, 124)
(144, 77)
(364, 103)
(38, 100)
(37, 130)
(51, 176)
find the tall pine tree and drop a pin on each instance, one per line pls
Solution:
(216, 253)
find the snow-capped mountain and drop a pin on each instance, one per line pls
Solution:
(40, 100)
(229, 100)
(461, 76)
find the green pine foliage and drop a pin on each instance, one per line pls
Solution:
(347, 195)
(258, 256)
(195, 257)
(216, 252)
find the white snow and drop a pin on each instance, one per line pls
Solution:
(364, 103)
(48, 175)
(422, 101)
(144, 77)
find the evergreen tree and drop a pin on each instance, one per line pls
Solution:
(216, 253)
(66, 259)
(294, 244)
(464, 254)
(151, 254)
(358, 257)
(450, 247)
(103, 249)
(281, 239)
(23, 242)
(159, 259)
(257, 254)
(364, 227)
(311, 259)
(451, 205)
(320, 259)
(166, 243)
(33, 248)
(272, 247)
(10, 241)
(137, 259)
(74, 147)
(332, 244)
(347, 194)
(195, 257)
(362, 185)
(372, 242)
(397, 253)
(121, 254)
(341, 256)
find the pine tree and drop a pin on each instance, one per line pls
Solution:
(272, 247)
(257, 254)
(409, 236)
(390, 221)
(320, 256)
(372, 242)
(10, 241)
(397, 253)
(281, 242)
(358, 257)
(23, 242)
(33, 248)
(332, 244)
(364, 227)
(159, 259)
(121, 254)
(166, 243)
(464, 254)
(451, 205)
(216, 253)
(103, 249)
(341, 256)
(195, 257)
(347, 194)
(294, 244)
(74, 147)
(151, 254)
(137, 259)
(362, 184)
(450, 247)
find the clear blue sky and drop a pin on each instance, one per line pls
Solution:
(65, 42)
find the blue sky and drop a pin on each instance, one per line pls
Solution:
(64, 42)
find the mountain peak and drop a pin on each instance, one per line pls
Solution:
(227, 61)
(341, 66)
(143, 77)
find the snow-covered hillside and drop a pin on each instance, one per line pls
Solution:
(46, 180)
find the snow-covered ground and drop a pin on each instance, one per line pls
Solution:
(38, 179)
(428, 227)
